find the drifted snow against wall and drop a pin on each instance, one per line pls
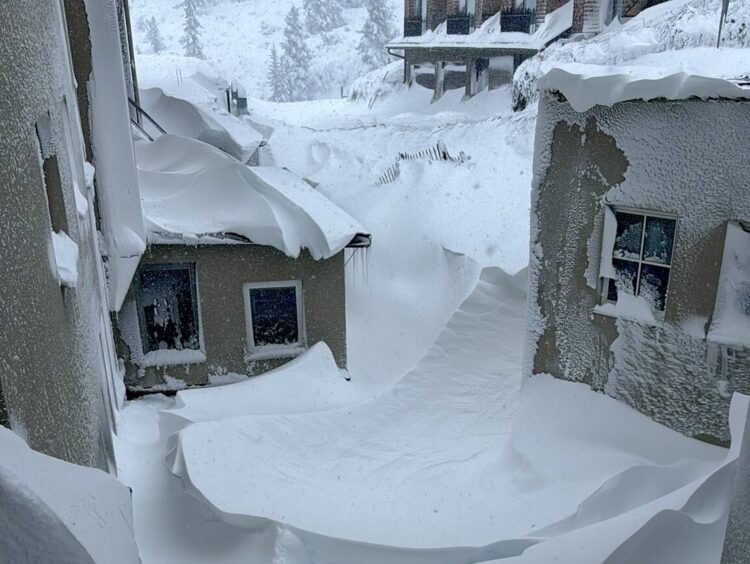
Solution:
(686, 158)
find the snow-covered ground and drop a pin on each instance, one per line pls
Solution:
(434, 451)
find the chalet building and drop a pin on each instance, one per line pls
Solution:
(244, 271)
(478, 44)
(640, 245)
(65, 108)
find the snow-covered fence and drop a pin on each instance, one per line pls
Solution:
(438, 152)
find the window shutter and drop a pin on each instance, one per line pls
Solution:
(606, 270)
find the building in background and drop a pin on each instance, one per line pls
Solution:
(640, 244)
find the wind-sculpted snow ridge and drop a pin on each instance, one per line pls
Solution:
(180, 116)
(193, 192)
(427, 472)
(54, 511)
(671, 26)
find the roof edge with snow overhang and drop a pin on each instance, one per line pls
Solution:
(193, 193)
(585, 86)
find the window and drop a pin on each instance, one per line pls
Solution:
(51, 174)
(274, 314)
(167, 304)
(641, 256)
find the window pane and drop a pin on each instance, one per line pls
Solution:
(654, 281)
(626, 274)
(659, 237)
(274, 312)
(166, 299)
(628, 238)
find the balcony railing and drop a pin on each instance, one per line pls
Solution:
(413, 27)
(519, 19)
(460, 24)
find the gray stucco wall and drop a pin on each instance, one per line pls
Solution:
(50, 371)
(686, 158)
(221, 271)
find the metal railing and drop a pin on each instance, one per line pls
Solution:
(413, 26)
(517, 20)
(460, 24)
(137, 122)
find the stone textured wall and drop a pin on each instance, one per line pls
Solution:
(50, 367)
(656, 156)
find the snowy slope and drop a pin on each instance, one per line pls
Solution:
(671, 26)
(237, 38)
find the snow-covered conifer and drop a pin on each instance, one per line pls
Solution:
(278, 78)
(153, 36)
(322, 15)
(376, 33)
(191, 41)
(297, 57)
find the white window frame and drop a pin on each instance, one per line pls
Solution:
(274, 351)
(604, 279)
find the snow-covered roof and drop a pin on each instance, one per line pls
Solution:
(194, 193)
(489, 36)
(673, 75)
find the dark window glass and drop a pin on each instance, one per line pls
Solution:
(627, 273)
(167, 308)
(653, 286)
(274, 312)
(657, 246)
(629, 235)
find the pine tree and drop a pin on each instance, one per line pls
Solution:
(153, 36)
(191, 41)
(278, 78)
(297, 57)
(376, 33)
(322, 15)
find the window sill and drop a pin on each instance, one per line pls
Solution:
(271, 352)
(171, 357)
(611, 310)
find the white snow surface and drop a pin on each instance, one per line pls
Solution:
(66, 259)
(117, 183)
(210, 123)
(53, 511)
(193, 192)
(311, 382)
(730, 324)
(665, 28)
(695, 73)
(448, 458)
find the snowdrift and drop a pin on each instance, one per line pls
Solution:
(667, 27)
(193, 192)
(420, 474)
(53, 511)
(219, 128)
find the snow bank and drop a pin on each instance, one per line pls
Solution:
(219, 128)
(66, 259)
(731, 320)
(585, 86)
(428, 444)
(118, 196)
(311, 382)
(668, 27)
(423, 466)
(193, 192)
(53, 511)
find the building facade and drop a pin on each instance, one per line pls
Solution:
(57, 364)
(199, 311)
(639, 221)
